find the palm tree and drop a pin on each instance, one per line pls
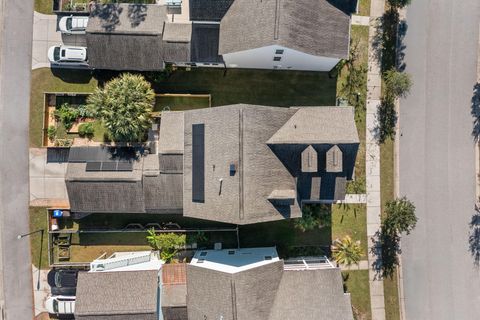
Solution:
(347, 252)
(124, 106)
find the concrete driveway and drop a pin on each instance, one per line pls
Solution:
(437, 169)
(45, 35)
(47, 180)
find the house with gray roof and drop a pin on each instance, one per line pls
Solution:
(254, 284)
(267, 34)
(237, 164)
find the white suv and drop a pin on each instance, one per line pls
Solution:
(60, 305)
(73, 24)
(67, 55)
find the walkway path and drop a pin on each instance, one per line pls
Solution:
(41, 289)
(373, 166)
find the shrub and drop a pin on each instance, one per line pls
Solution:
(51, 132)
(86, 129)
(399, 3)
(167, 243)
(67, 115)
(397, 84)
(85, 112)
(346, 251)
(314, 216)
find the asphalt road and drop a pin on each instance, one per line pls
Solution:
(437, 160)
(16, 19)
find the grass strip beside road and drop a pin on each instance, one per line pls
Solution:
(387, 180)
(39, 248)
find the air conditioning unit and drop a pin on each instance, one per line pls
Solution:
(174, 3)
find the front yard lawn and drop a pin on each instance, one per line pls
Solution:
(356, 282)
(44, 80)
(350, 219)
(44, 6)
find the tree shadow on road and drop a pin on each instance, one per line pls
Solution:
(388, 43)
(474, 236)
(475, 112)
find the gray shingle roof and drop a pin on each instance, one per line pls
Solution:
(311, 295)
(316, 125)
(132, 37)
(117, 293)
(247, 295)
(240, 134)
(171, 132)
(237, 135)
(314, 27)
(267, 293)
(127, 19)
(208, 10)
(177, 32)
(147, 188)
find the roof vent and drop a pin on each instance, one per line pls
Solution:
(268, 257)
(230, 252)
(334, 159)
(309, 160)
(203, 253)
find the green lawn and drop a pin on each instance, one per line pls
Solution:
(44, 6)
(387, 193)
(350, 220)
(46, 80)
(392, 305)
(359, 35)
(181, 103)
(263, 87)
(356, 282)
(39, 248)
(364, 7)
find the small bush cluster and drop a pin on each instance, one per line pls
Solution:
(67, 115)
(314, 216)
(86, 129)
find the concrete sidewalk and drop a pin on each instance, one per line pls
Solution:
(373, 166)
(41, 289)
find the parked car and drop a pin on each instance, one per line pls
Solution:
(67, 55)
(60, 305)
(63, 281)
(73, 24)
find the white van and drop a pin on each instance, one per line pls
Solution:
(60, 305)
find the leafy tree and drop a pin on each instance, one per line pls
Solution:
(387, 119)
(397, 83)
(347, 252)
(124, 105)
(313, 216)
(86, 129)
(167, 243)
(400, 215)
(399, 3)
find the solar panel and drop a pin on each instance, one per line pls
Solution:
(109, 166)
(124, 166)
(94, 166)
(198, 162)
